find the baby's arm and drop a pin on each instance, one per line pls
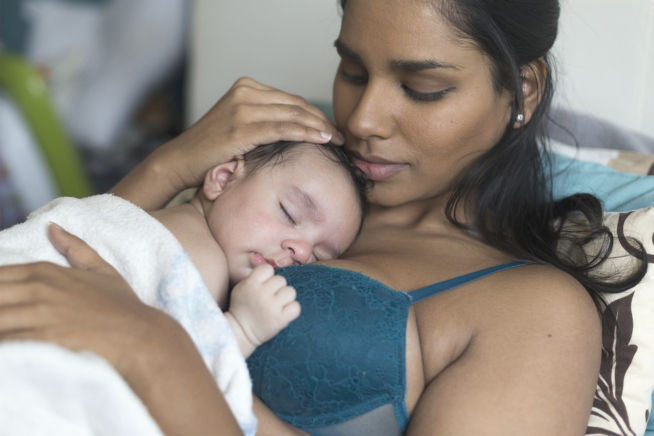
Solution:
(261, 305)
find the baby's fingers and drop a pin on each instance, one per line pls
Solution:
(285, 295)
(289, 308)
(261, 273)
(291, 311)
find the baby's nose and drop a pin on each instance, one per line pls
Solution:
(299, 250)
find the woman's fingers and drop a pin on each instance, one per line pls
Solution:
(248, 115)
(253, 102)
(25, 273)
(12, 273)
(78, 252)
(272, 131)
(275, 95)
(78, 309)
(20, 322)
(316, 129)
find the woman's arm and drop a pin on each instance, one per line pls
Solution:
(270, 424)
(249, 114)
(530, 365)
(90, 307)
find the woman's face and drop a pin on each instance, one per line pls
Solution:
(416, 102)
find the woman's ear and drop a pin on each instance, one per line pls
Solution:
(533, 77)
(218, 177)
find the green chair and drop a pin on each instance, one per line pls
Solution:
(28, 90)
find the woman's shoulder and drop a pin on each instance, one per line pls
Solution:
(534, 294)
(529, 304)
(526, 339)
(543, 285)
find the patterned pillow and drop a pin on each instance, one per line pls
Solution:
(623, 396)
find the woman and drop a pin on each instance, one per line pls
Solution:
(441, 103)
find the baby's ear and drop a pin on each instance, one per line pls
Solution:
(218, 177)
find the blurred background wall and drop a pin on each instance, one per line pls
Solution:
(87, 89)
(287, 44)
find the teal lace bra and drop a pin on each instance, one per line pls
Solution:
(339, 369)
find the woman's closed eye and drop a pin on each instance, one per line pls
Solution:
(352, 73)
(426, 96)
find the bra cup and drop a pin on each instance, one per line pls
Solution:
(343, 357)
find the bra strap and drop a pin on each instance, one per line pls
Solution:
(437, 288)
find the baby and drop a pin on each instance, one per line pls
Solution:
(283, 204)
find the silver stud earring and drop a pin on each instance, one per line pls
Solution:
(519, 118)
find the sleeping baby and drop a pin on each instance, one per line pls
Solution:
(282, 204)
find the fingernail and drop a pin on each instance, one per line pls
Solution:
(326, 136)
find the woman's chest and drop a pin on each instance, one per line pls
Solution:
(407, 261)
(441, 326)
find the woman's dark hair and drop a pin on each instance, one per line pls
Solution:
(278, 152)
(509, 187)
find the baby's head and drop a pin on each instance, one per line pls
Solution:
(284, 203)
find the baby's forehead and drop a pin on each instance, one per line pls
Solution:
(312, 158)
(312, 152)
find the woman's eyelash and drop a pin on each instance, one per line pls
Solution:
(426, 96)
(354, 78)
(414, 95)
(288, 215)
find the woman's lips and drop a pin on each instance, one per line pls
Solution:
(379, 170)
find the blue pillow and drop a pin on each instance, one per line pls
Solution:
(619, 191)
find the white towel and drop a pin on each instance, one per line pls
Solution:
(47, 390)
(153, 262)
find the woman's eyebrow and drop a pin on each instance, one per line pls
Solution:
(415, 66)
(346, 51)
(409, 66)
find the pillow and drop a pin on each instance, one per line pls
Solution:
(590, 170)
(620, 160)
(623, 395)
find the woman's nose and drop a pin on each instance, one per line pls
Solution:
(299, 250)
(371, 116)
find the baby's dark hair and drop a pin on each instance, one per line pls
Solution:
(274, 154)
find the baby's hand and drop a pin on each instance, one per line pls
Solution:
(263, 304)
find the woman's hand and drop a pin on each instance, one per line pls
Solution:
(91, 307)
(249, 114)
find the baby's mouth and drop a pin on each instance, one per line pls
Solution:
(259, 259)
